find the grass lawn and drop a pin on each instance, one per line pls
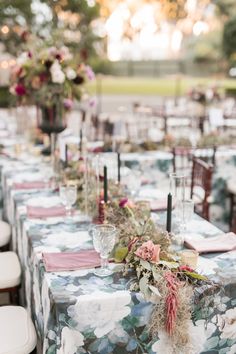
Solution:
(166, 86)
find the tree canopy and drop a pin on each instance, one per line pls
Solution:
(66, 22)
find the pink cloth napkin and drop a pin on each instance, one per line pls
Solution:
(56, 262)
(30, 185)
(41, 212)
(158, 204)
(222, 243)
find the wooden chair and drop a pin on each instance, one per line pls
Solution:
(182, 159)
(207, 154)
(201, 182)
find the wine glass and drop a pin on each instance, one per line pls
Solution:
(134, 182)
(68, 195)
(104, 238)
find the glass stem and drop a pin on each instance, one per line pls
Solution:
(68, 210)
(104, 262)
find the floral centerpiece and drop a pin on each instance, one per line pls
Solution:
(159, 274)
(50, 79)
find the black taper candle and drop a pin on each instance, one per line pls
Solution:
(105, 184)
(66, 155)
(169, 211)
(81, 140)
(119, 165)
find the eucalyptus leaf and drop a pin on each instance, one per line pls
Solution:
(171, 265)
(154, 290)
(156, 275)
(196, 276)
(144, 288)
(145, 264)
(143, 284)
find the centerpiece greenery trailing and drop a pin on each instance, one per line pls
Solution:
(159, 273)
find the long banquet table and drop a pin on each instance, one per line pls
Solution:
(77, 312)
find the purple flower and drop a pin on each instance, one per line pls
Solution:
(92, 102)
(68, 103)
(20, 90)
(89, 72)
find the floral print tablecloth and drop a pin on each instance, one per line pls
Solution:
(77, 312)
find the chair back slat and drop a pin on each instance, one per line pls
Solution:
(202, 177)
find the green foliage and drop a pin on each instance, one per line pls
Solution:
(6, 99)
(205, 47)
(101, 66)
(226, 7)
(229, 39)
(27, 19)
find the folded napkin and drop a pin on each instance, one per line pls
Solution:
(30, 185)
(158, 204)
(41, 212)
(222, 243)
(65, 261)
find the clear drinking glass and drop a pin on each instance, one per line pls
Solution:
(68, 195)
(104, 238)
(133, 182)
(188, 211)
(177, 189)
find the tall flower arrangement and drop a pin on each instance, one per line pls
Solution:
(46, 75)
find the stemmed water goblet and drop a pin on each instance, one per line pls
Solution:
(104, 239)
(68, 195)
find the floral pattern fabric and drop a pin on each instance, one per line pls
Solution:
(78, 312)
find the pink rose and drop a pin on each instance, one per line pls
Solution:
(149, 252)
(89, 72)
(68, 103)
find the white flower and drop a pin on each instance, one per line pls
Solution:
(100, 311)
(70, 74)
(58, 77)
(71, 340)
(22, 58)
(227, 324)
(232, 349)
(66, 53)
(197, 335)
